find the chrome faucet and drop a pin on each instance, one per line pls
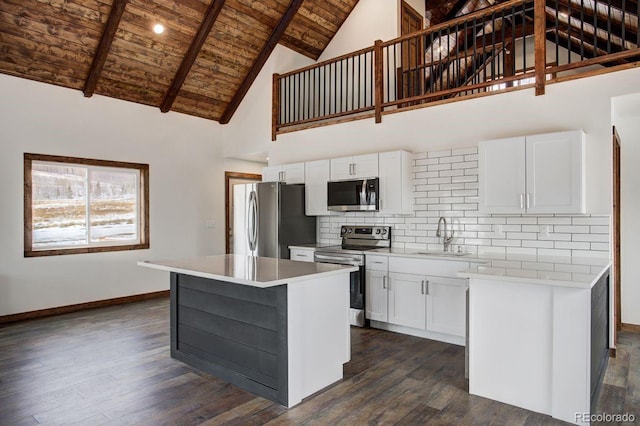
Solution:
(439, 233)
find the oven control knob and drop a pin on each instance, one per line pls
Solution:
(378, 231)
(384, 231)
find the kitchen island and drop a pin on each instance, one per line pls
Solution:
(539, 331)
(275, 327)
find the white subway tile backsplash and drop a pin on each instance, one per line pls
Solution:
(463, 179)
(446, 184)
(465, 165)
(437, 154)
(553, 252)
(438, 167)
(590, 221)
(522, 220)
(600, 230)
(426, 161)
(464, 151)
(452, 159)
(571, 228)
(597, 238)
(521, 251)
(554, 220)
(458, 172)
(572, 245)
(600, 246)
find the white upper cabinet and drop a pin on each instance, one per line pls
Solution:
(271, 174)
(288, 173)
(501, 169)
(316, 176)
(532, 174)
(396, 192)
(356, 167)
(555, 173)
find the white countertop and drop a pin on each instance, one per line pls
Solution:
(564, 271)
(247, 270)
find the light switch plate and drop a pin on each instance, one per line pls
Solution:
(211, 224)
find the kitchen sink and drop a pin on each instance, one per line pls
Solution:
(445, 253)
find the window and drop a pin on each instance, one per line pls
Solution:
(77, 205)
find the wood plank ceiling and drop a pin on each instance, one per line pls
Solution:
(202, 65)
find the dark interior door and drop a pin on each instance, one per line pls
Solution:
(410, 72)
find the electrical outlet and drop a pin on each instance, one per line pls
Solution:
(211, 224)
(544, 230)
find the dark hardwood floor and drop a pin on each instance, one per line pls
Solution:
(112, 366)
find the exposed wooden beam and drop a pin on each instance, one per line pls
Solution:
(192, 53)
(273, 40)
(117, 9)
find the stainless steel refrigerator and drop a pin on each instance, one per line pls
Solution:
(268, 217)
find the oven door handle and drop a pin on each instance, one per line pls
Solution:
(334, 259)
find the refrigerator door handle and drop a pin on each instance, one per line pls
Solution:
(252, 222)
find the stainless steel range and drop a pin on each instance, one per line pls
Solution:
(355, 241)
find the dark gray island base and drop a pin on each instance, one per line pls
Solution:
(274, 327)
(235, 332)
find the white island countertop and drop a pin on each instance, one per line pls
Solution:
(254, 271)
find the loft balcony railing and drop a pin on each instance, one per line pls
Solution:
(514, 45)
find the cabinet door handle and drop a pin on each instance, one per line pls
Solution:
(426, 285)
(384, 281)
(354, 169)
(521, 201)
(528, 198)
(422, 287)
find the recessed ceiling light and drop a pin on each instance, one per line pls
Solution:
(158, 28)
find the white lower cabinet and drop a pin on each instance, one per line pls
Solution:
(407, 300)
(376, 295)
(431, 306)
(446, 305)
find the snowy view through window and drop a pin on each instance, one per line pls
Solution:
(63, 215)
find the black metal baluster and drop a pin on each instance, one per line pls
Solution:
(569, 32)
(387, 49)
(484, 51)
(624, 25)
(595, 28)
(501, 70)
(457, 66)
(557, 32)
(582, 30)
(524, 41)
(493, 47)
(608, 26)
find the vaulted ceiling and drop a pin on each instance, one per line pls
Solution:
(202, 64)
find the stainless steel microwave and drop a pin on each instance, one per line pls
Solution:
(353, 195)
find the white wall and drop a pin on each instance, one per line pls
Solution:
(248, 134)
(418, 5)
(370, 20)
(186, 189)
(626, 119)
